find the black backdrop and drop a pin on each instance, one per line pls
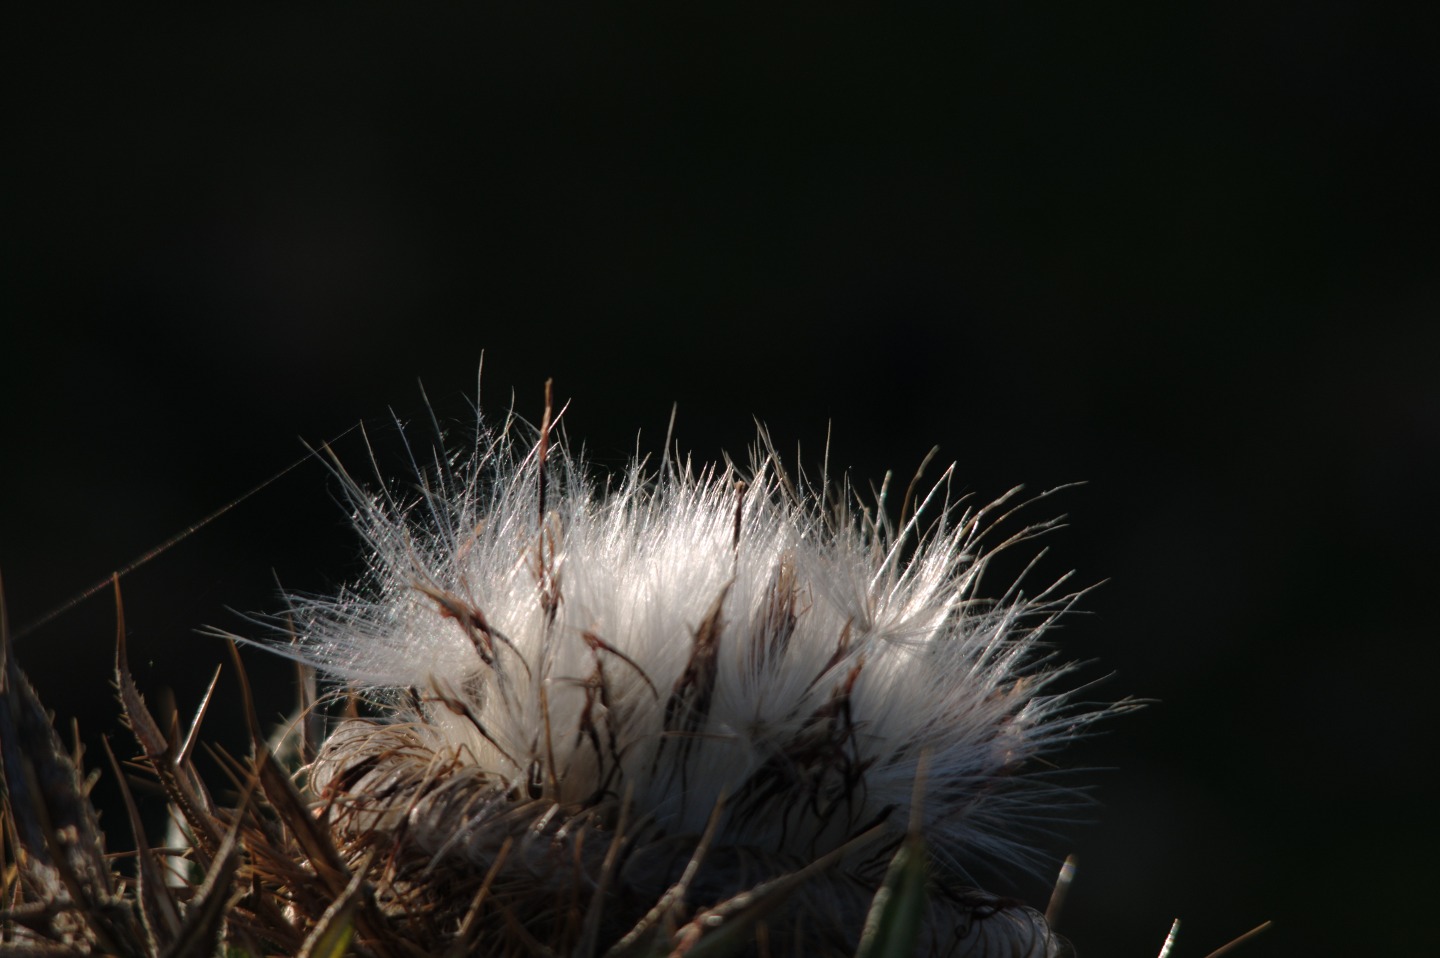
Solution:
(1182, 251)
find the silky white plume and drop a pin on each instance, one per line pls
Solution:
(674, 637)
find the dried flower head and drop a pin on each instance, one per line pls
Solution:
(609, 708)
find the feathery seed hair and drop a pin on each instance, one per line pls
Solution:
(593, 693)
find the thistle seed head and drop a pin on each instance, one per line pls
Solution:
(593, 692)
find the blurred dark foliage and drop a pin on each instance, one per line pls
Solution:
(1185, 252)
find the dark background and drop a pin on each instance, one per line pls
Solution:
(1185, 252)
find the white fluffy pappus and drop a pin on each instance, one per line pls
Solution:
(556, 656)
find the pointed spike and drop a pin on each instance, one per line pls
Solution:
(54, 818)
(311, 834)
(1060, 891)
(312, 720)
(464, 944)
(636, 942)
(193, 735)
(182, 788)
(158, 909)
(590, 926)
(331, 936)
(1229, 946)
(727, 928)
(892, 928)
(200, 933)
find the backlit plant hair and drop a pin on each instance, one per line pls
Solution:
(591, 693)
